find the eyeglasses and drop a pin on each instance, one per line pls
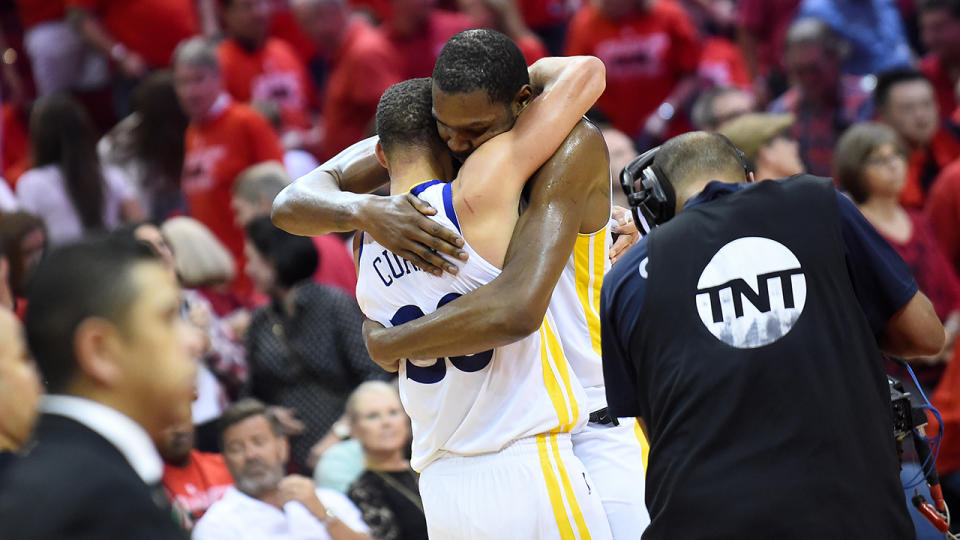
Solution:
(880, 161)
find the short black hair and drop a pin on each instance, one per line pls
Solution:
(698, 153)
(888, 79)
(952, 6)
(481, 59)
(75, 282)
(404, 115)
(243, 409)
(294, 258)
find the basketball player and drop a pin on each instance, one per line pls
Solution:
(498, 422)
(561, 236)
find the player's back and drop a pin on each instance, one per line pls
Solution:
(474, 404)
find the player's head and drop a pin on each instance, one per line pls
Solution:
(480, 85)
(691, 160)
(406, 128)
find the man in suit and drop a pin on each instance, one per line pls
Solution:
(104, 326)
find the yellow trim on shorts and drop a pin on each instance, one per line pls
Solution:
(553, 489)
(589, 263)
(644, 444)
(548, 338)
(568, 489)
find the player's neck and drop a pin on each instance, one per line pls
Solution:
(406, 174)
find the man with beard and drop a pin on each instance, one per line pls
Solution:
(265, 504)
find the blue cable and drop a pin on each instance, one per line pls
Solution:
(931, 460)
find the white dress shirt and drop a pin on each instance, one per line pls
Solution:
(118, 429)
(238, 516)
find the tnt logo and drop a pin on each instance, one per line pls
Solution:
(751, 293)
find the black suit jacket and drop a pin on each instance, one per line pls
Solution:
(75, 485)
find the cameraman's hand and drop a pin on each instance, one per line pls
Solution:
(626, 231)
(400, 224)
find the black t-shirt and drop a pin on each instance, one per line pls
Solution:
(743, 333)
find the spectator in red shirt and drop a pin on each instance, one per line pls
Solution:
(943, 209)
(224, 137)
(259, 68)
(940, 31)
(548, 18)
(503, 16)
(905, 101)
(721, 61)
(651, 52)
(253, 196)
(418, 31)
(762, 31)
(823, 101)
(362, 65)
(193, 480)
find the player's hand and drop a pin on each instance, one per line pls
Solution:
(626, 231)
(301, 489)
(371, 331)
(287, 419)
(400, 224)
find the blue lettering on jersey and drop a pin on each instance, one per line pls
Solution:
(396, 267)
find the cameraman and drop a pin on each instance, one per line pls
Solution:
(746, 332)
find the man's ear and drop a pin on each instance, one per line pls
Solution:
(523, 98)
(92, 342)
(381, 157)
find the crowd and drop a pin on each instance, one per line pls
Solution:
(175, 123)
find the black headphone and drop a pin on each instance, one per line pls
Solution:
(650, 193)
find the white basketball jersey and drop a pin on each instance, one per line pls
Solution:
(575, 306)
(474, 404)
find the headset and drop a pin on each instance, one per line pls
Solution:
(650, 193)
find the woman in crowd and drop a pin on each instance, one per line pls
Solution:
(148, 146)
(870, 164)
(304, 349)
(23, 238)
(387, 492)
(67, 187)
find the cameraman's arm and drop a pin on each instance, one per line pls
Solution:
(914, 331)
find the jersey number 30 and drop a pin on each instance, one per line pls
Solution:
(438, 370)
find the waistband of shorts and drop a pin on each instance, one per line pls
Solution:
(524, 447)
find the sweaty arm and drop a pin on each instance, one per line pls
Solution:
(335, 197)
(513, 305)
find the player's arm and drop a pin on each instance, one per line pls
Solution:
(335, 197)
(513, 305)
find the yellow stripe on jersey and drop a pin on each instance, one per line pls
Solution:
(413, 187)
(589, 264)
(553, 489)
(550, 380)
(560, 362)
(644, 445)
(568, 489)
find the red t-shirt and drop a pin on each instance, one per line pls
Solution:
(767, 21)
(336, 264)
(532, 48)
(199, 484)
(283, 25)
(272, 73)
(646, 54)
(217, 150)
(418, 54)
(926, 164)
(722, 63)
(943, 210)
(543, 13)
(931, 66)
(34, 12)
(152, 28)
(364, 66)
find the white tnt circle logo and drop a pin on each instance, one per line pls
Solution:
(751, 293)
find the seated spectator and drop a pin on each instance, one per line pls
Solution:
(873, 32)
(871, 166)
(905, 101)
(417, 29)
(504, 17)
(193, 480)
(765, 141)
(387, 492)
(102, 328)
(339, 465)
(68, 187)
(304, 348)
(265, 505)
(823, 101)
(23, 240)
(361, 65)
(20, 386)
(148, 146)
(940, 30)
(253, 196)
(222, 139)
(257, 67)
(721, 61)
(648, 44)
(717, 106)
